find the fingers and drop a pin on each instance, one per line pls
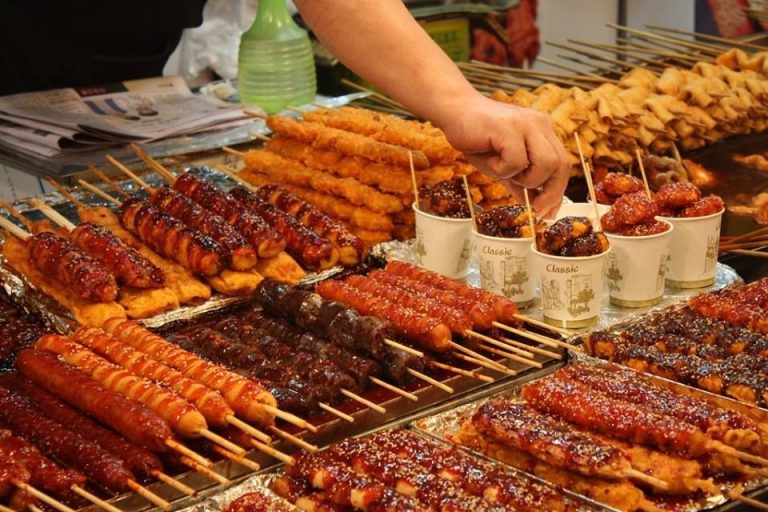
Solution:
(547, 202)
(544, 159)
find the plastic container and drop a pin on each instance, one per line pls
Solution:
(276, 66)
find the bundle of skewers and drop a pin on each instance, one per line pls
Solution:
(664, 90)
(619, 437)
(752, 244)
(717, 342)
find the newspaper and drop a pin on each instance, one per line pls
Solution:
(60, 121)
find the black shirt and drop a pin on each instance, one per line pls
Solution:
(63, 43)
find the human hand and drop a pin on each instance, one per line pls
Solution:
(515, 145)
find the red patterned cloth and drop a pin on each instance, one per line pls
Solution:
(730, 18)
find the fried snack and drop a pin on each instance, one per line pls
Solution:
(348, 143)
(371, 238)
(282, 268)
(233, 282)
(506, 222)
(184, 285)
(145, 303)
(495, 192)
(88, 313)
(389, 129)
(294, 173)
(335, 207)
(446, 199)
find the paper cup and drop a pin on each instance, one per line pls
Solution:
(507, 267)
(580, 210)
(636, 268)
(443, 245)
(571, 288)
(693, 249)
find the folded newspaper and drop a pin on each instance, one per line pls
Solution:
(62, 121)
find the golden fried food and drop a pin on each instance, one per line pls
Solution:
(708, 205)
(617, 184)
(677, 195)
(145, 303)
(233, 282)
(635, 208)
(348, 143)
(505, 222)
(87, 313)
(281, 267)
(758, 161)
(445, 199)
(287, 171)
(562, 232)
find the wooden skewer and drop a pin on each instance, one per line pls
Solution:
(539, 323)
(749, 236)
(98, 192)
(237, 459)
(364, 401)
(497, 351)
(478, 362)
(64, 192)
(404, 348)
(413, 180)
(3, 508)
(172, 482)
(203, 470)
(13, 228)
(149, 495)
(232, 173)
(125, 170)
(94, 499)
(248, 429)
(344, 416)
(41, 496)
(537, 73)
(680, 42)
(103, 177)
(642, 477)
(642, 173)
(607, 70)
(224, 443)
(282, 457)
(430, 380)
(17, 214)
(593, 55)
(187, 452)
(394, 389)
(699, 35)
(622, 51)
(747, 252)
(527, 334)
(737, 496)
(541, 351)
(461, 371)
(575, 70)
(725, 247)
(259, 136)
(521, 356)
(295, 440)
(153, 164)
(231, 151)
(664, 51)
(290, 418)
(588, 177)
(476, 355)
(52, 214)
(374, 94)
(730, 450)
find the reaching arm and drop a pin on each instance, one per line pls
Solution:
(380, 41)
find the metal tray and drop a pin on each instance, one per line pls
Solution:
(448, 419)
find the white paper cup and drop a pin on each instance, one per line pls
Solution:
(507, 267)
(443, 245)
(571, 288)
(580, 210)
(693, 249)
(637, 267)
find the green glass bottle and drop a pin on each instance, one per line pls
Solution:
(275, 66)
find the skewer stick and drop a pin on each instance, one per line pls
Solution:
(461, 371)
(231, 151)
(224, 443)
(642, 477)
(52, 214)
(149, 495)
(476, 355)
(529, 211)
(430, 380)
(172, 482)
(125, 170)
(254, 113)
(364, 401)
(282, 457)
(205, 471)
(404, 348)
(13, 228)
(98, 192)
(588, 177)
(537, 350)
(295, 440)
(94, 499)
(708, 37)
(478, 362)
(232, 173)
(394, 389)
(538, 323)
(153, 164)
(413, 180)
(642, 172)
(187, 452)
(237, 459)
(469, 201)
(577, 71)
(32, 491)
(106, 179)
(527, 334)
(64, 192)
(3, 508)
(259, 136)
(522, 353)
(290, 418)
(17, 214)
(248, 429)
(344, 416)
(747, 252)
(680, 42)
(736, 495)
(676, 154)
(730, 450)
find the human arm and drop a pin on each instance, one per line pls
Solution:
(383, 43)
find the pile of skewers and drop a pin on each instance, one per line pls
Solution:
(717, 342)
(400, 470)
(753, 243)
(618, 437)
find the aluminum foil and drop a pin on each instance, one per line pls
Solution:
(259, 483)
(443, 424)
